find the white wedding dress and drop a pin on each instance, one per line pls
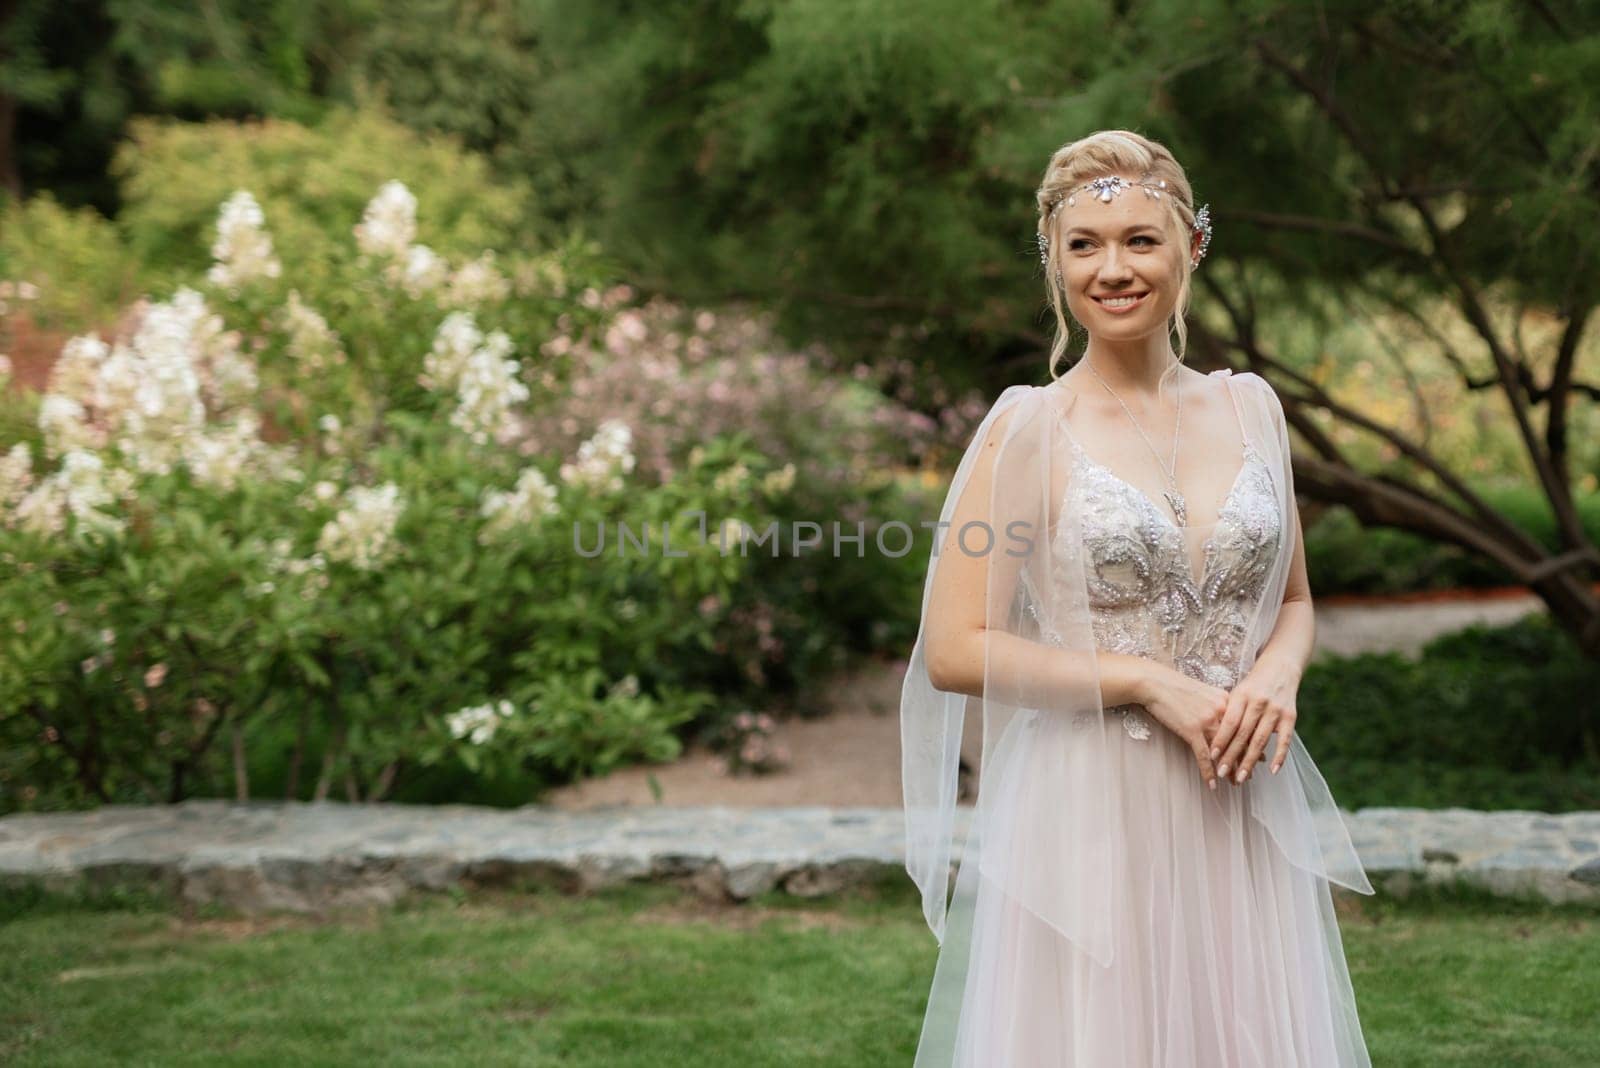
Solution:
(1214, 946)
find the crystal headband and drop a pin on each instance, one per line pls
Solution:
(1106, 188)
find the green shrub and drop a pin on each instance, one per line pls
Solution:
(309, 524)
(1486, 718)
(244, 510)
(311, 183)
(76, 259)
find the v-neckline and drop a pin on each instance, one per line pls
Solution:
(1182, 549)
(1247, 453)
(1227, 498)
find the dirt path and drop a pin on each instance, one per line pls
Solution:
(851, 756)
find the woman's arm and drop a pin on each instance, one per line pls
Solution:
(957, 631)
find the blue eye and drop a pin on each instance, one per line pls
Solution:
(1077, 243)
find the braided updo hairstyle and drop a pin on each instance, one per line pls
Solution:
(1099, 155)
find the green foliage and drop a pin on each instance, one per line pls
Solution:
(335, 604)
(1485, 718)
(209, 600)
(123, 654)
(312, 183)
(76, 258)
(1342, 556)
(79, 72)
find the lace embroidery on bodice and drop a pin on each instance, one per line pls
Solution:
(1144, 599)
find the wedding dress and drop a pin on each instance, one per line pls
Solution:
(1110, 910)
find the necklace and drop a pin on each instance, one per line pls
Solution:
(1174, 498)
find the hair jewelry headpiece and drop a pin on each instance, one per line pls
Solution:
(1107, 187)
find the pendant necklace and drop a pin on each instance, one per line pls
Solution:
(1174, 498)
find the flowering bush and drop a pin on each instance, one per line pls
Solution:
(312, 521)
(246, 519)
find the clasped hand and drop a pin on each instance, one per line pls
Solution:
(1228, 730)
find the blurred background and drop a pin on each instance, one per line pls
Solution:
(332, 329)
(325, 323)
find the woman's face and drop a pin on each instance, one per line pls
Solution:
(1112, 251)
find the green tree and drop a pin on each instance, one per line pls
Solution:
(868, 169)
(74, 74)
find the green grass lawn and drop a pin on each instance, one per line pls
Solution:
(651, 977)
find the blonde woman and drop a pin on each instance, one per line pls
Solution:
(1118, 591)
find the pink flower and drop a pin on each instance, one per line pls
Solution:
(155, 676)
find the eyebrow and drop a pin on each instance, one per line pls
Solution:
(1126, 232)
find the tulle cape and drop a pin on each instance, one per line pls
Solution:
(1056, 842)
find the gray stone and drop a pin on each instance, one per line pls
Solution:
(322, 855)
(747, 880)
(1588, 874)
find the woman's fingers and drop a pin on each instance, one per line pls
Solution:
(1233, 755)
(1202, 756)
(1258, 745)
(1285, 734)
(1226, 730)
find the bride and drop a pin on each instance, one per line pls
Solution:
(1118, 593)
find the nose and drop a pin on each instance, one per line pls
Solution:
(1114, 267)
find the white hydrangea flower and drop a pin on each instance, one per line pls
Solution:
(532, 499)
(150, 395)
(42, 511)
(76, 373)
(243, 249)
(221, 456)
(81, 488)
(732, 479)
(477, 724)
(16, 474)
(481, 370)
(457, 338)
(230, 377)
(362, 533)
(150, 387)
(422, 271)
(389, 223)
(332, 433)
(477, 282)
(487, 391)
(779, 481)
(603, 459)
(65, 425)
(311, 341)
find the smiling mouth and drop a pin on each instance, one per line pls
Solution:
(1121, 301)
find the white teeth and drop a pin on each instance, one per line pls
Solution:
(1119, 302)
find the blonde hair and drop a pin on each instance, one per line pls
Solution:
(1100, 155)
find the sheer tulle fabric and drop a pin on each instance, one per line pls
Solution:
(1109, 908)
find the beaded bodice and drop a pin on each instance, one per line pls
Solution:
(1144, 595)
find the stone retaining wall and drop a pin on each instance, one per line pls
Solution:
(263, 856)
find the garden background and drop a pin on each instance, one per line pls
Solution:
(325, 325)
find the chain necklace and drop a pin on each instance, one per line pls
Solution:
(1174, 498)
